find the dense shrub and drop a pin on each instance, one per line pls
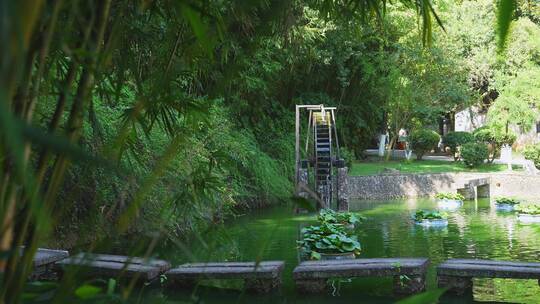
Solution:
(532, 152)
(474, 154)
(484, 134)
(348, 156)
(423, 141)
(454, 140)
(218, 168)
(495, 138)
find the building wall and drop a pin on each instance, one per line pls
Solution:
(469, 119)
(518, 185)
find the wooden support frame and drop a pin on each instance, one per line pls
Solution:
(298, 110)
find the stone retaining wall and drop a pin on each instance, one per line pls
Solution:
(518, 185)
(392, 186)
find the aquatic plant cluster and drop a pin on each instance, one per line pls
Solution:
(342, 218)
(449, 196)
(527, 212)
(332, 236)
(528, 208)
(506, 201)
(421, 215)
(437, 218)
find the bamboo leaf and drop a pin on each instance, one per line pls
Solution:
(505, 11)
(198, 25)
(61, 145)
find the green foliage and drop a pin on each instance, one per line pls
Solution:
(484, 134)
(331, 235)
(507, 201)
(505, 85)
(423, 141)
(495, 138)
(421, 215)
(519, 93)
(528, 208)
(509, 110)
(417, 96)
(190, 104)
(341, 218)
(454, 140)
(505, 9)
(348, 156)
(474, 154)
(491, 134)
(449, 196)
(532, 152)
(327, 238)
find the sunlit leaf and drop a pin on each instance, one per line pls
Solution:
(111, 285)
(428, 297)
(505, 12)
(87, 291)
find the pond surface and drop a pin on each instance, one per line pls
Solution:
(476, 230)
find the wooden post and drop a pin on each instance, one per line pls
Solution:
(308, 130)
(342, 190)
(297, 148)
(303, 179)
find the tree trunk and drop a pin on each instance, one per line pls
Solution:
(391, 147)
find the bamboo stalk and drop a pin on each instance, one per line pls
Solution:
(26, 112)
(44, 51)
(45, 155)
(75, 120)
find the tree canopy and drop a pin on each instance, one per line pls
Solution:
(171, 115)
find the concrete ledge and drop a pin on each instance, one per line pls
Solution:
(392, 186)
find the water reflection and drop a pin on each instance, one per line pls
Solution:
(475, 230)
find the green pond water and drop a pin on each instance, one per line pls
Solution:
(476, 230)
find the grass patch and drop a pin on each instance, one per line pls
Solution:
(422, 166)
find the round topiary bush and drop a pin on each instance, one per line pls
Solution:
(454, 140)
(423, 141)
(474, 154)
(532, 152)
(494, 138)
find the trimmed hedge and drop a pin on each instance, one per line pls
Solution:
(423, 141)
(494, 138)
(474, 154)
(454, 140)
(532, 152)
